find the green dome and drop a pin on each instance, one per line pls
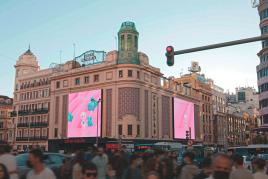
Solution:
(128, 26)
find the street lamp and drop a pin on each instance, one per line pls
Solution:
(97, 137)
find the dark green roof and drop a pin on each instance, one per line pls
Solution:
(128, 26)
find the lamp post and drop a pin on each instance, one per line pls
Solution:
(97, 137)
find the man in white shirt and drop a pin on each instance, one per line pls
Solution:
(9, 161)
(259, 165)
(39, 171)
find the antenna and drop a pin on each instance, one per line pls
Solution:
(255, 3)
(60, 56)
(74, 49)
(115, 37)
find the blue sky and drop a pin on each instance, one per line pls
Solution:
(52, 26)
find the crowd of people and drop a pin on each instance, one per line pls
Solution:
(121, 164)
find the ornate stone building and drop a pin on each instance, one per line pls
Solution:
(136, 97)
(6, 127)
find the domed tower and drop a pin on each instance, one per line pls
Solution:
(128, 44)
(27, 63)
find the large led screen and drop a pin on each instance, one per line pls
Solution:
(183, 118)
(84, 114)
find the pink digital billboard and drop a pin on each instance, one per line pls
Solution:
(183, 118)
(84, 114)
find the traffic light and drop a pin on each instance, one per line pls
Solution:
(170, 55)
(187, 135)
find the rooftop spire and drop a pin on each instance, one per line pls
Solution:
(28, 52)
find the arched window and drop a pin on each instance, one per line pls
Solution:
(129, 41)
(122, 42)
(136, 41)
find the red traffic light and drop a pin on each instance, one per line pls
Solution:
(170, 55)
(169, 49)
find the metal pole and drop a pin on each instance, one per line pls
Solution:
(219, 45)
(97, 139)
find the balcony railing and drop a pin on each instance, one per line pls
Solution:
(32, 112)
(21, 138)
(39, 124)
(13, 114)
(22, 125)
(32, 138)
(38, 138)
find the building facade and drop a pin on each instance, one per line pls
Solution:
(203, 93)
(136, 98)
(6, 127)
(220, 128)
(262, 68)
(31, 102)
(236, 128)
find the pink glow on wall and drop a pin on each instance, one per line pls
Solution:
(83, 112)
(183, 118)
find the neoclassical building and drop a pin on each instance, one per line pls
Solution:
(137, 100)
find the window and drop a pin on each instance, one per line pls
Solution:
(58, 84)
(86, 80)
(264, 14)
(96, 78)
(129, 41)
(120, 74)
(77, 81)
(122, 42)
(138, 130)
(136, 42)
(120, 129)
(129, 129)
(65, 83)
(56, 132)
(138, 74)
(129, 73)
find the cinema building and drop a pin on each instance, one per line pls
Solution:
(99, 97)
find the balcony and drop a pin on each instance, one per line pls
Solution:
(21, 138)
(13, 114)
(34, 138)
(22, 125)
(32, 112)
(38, 124)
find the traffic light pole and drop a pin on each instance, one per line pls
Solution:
(219, 45)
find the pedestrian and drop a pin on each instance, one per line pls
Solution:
(133, 172)
(119, 164)
(206, 169)
(151, 168)
(222, 166)
(9, 161)
(240, 171)
(77, 167)
(189, 170)
(66, 168)
(39, 171)
(89, 171)
(259, 166)
(165, 169)
(101, 161)
(3, 172)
